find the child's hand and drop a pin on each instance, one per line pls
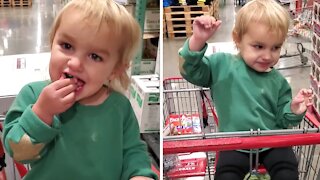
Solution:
(140, 178)
(203, 28)
(55, 98)
(302, 100)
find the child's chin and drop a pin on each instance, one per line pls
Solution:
(78, 90)
(266, 69)
(78, 95)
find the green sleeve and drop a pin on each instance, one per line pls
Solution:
(22, 121)
(136, 161)
(285, 116)
(195, 66)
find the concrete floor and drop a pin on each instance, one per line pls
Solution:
(25, 30)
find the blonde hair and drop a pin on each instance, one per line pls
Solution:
(268, 12)
(122, 25)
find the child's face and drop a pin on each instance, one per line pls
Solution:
(85, 52)
(259, 47)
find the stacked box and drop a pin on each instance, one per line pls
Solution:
(315, 64)
(152, 20)
(145, 101)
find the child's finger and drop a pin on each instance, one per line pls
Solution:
(308, 100)
(306, 92)
(197, 21)
(298, 100)
(216, 24)
(213, 21)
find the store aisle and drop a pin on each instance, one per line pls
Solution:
(25, 30)
(297, 77)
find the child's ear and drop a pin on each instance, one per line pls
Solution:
(236, 38)
(118, 70)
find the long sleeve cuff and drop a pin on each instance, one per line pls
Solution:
(194, 55)
(36, 128)
(290, 116)
(146, 172)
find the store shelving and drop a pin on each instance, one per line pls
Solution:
(152, 138)
(140, 15)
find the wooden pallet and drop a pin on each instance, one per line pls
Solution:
(164, 26)
(179, 19)
(179, 34)
(179, 25)
(185, 15)
(5, 3)
(171, 9)
(16, 3)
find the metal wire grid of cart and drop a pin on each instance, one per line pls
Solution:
(10, 169)
(189, 110)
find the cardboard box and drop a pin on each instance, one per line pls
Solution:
(147, 66)
(125, 2)
(152, 20)
(18, 70)
(145, 101)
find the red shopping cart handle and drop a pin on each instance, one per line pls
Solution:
(224, 144)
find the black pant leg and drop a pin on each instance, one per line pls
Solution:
(281, 163)
(232, 165)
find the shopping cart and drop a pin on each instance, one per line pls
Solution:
(188, 108)
(9, 169)
(299, 35)
(181, 98)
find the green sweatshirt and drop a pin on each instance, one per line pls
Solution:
(244, 98)
(85, 142)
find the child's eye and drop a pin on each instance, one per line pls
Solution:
(257, 46)
(95, 57)
(66, 46)
(276, 48)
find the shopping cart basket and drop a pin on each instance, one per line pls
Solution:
(9, 169)
(188, 108)
(303, 138)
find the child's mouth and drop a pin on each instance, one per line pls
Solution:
(79, 82)
(68, 75)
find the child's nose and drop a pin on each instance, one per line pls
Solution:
(267, 55)
(75, 64)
